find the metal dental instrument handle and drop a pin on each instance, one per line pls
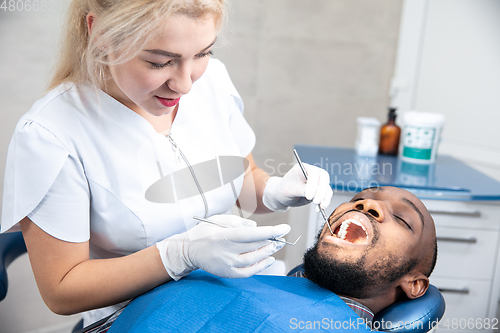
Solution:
(321, 210)
(223, 226)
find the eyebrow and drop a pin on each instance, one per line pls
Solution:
(378, 188)
(176, 55)
(412, 205)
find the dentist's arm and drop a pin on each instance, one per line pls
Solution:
(70, 282)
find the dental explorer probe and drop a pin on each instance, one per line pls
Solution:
(224, 226)
(322, 211)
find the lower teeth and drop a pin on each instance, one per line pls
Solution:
(342, 233)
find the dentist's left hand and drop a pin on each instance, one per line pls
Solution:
(239, 251)
(293, 189)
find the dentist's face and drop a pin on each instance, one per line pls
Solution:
(379, 236)
(155, 80)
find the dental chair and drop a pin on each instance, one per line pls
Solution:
(418, 316)
(411, 315)
(11, 246)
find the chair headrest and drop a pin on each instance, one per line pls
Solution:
(413, 315)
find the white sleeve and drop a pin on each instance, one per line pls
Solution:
(240, 130)
(45, 183)
(239, 127)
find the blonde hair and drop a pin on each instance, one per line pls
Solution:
(123, 26)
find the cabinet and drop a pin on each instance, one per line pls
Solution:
(467, 219)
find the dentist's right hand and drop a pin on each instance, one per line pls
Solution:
(240, 250)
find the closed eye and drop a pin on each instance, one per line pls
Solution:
(399, 218)
(160, 66)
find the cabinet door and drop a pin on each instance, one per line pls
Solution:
(467, 215)
(466, 253)
(466, 303)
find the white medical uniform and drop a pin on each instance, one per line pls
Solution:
(80, 162)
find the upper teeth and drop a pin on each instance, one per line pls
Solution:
(345, 225)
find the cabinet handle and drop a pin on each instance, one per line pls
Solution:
(474, 213)
(455, 291)
(470, 240)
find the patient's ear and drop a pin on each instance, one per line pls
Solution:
(414, 285)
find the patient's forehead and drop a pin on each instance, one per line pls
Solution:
(388, 193)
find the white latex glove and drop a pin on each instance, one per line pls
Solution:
(292, 189)
(239, 251)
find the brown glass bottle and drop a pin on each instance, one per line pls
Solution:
(389, 135)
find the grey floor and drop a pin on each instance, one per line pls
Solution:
(305, 69)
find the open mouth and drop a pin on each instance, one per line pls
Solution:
(352, 231)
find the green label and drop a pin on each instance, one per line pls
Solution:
(417, 153)
(418, 142)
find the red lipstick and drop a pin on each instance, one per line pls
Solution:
(168, 102)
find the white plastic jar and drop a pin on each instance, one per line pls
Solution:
(420, 137)
(368, 136)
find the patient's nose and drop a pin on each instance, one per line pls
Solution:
(372, 207)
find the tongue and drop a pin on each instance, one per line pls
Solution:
(355, 234)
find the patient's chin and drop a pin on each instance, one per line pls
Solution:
(343, 278)
(354, 279)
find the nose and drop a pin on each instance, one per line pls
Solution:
(372, 207)
(181, 80)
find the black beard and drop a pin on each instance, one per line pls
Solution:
(354, 279)
(343, 278)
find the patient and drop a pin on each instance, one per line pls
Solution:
(383, 249)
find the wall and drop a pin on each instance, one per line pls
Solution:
(305, 69)
(448, 63)
(28, 43)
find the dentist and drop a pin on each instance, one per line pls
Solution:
(136, 99)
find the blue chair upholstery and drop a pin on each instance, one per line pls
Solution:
(411, 315)
(416, 315)
(11, 246)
